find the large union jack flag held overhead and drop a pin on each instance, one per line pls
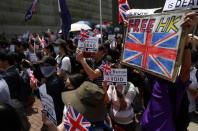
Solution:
(155, 52)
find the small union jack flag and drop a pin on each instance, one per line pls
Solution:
(74, 121)
(106, 68)
(31, 10)
(155, 52)
(84, 35)
(123, 7)
(96, 32)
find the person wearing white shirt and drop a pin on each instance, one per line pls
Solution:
(121, 110)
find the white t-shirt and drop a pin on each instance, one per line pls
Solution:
(124, 116)
(194, 85)
(66, 64)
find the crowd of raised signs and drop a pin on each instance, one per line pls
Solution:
(83, 89)
(90, 81)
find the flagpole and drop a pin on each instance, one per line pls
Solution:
(101, 20)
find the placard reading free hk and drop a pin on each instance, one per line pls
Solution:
(152, 43)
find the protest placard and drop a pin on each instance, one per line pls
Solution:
(140, 12)
(180, 4)
(116, 76)
(12, 48)
(47, 104)
(88, 45)
(153, 44)
(33, 57)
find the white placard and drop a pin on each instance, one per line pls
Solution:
(12, 48)
(111, 37)
(140, 12)
(116, 75)
(88, 45)
(180, 4)
(47, 103)
(33, 57)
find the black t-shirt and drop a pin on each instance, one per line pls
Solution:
(12, 78)
(55, 86)
(98, 65)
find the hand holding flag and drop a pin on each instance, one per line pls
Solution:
(74, 121)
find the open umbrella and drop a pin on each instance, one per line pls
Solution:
(79, 27)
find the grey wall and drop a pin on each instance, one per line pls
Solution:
(12, 14)
(89, 10)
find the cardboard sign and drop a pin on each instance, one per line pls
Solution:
(116, 75)
(141, 12)
(180, 4)
(88, 45)
(47, 103)
(152, 44)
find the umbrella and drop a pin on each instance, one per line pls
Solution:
(79, 27)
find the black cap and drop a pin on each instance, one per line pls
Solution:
(48, 60)
(59, 41)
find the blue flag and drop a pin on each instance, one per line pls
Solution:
(65, 16)
(31, 10)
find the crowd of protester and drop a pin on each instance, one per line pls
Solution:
(146, 102)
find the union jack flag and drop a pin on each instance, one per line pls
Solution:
(155, 52)
(123, 7)
(74, 121)
(31, 10)
(84, 34)
(106, 68)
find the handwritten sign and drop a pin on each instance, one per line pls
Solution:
(180, 4)
(152, 43)
(88, 45)
(140, 12)
(47, 103)
(116, 75)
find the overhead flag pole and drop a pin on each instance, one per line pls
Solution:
(101, 20)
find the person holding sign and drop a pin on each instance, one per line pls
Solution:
(166, 110)
(51, 90)
(120, 98)
(94, 72)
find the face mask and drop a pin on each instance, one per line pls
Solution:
(56, 50)
(47, 71)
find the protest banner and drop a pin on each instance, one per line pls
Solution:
(47, 104)
(140, 12)
(116, 76)
(154, 44)
(88, 46)
(181, 4)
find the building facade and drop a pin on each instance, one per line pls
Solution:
(12, 13)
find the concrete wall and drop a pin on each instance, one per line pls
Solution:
(12, 14)
(89, 10)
